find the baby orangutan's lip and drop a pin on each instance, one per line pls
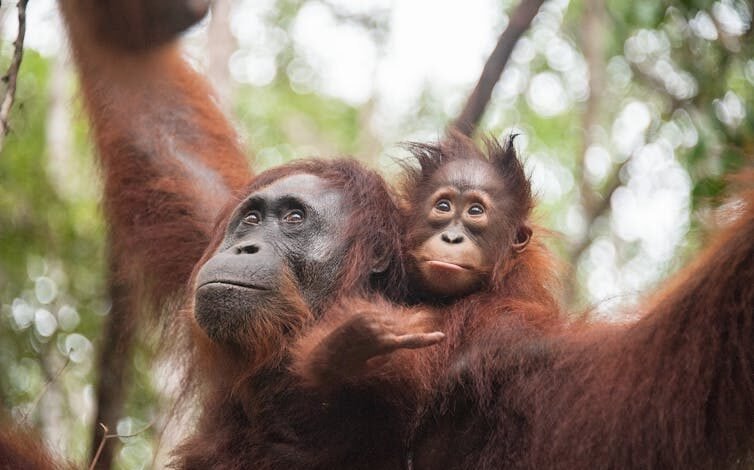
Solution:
(446, 266)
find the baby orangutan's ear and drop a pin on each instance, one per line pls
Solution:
(381, 260)
(523, 236)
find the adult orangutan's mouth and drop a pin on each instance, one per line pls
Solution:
(218, 283)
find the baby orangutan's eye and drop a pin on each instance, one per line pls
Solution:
(476, 210)
(443, 205)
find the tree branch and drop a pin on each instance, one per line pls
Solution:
(11, 76)
(520, 21)
(221, 44)
(598, 209)
(592, 44)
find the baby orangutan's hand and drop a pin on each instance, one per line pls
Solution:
(368, 335)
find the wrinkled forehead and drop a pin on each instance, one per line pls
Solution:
(312, 189)
(468, 174)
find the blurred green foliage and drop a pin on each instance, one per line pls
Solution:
(279, 118)
(51, 263)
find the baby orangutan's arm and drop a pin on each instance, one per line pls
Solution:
(357, 343)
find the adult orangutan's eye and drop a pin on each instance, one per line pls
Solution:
(476, 210)
(295, 216)
(252, 218)
(443, 205)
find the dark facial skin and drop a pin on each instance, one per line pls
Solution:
(282, 241)
(460, 232)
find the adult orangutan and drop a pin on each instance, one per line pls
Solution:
(674, 389)
(171, 164)
(306, 235)
(168, 155)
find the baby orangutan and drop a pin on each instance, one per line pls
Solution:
(466, 229)
(466, 217)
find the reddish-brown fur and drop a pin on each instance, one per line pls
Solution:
(254, 411)
(168, 154)
(172, 167)
(21, 449)
(170, 161)
(516, 303)
(674, 389)
(515, 385)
